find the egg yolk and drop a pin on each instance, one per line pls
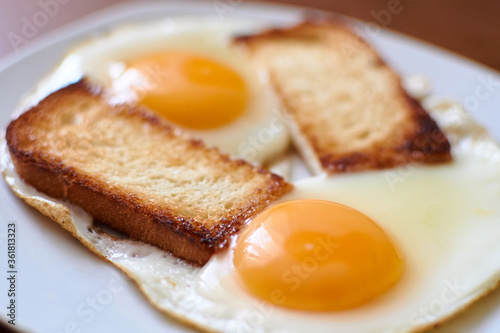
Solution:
(190, 90)
(316, 255)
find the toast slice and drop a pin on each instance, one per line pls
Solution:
(137, 173)
(347, 110)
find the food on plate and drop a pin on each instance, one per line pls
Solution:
(442, 219)
(399, 249)
(347, 109)
(346, 259)
(186, 70)
(137, 173)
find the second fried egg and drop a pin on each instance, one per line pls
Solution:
(185, 70)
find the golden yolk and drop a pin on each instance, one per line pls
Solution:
(190, 90)
(316, 255)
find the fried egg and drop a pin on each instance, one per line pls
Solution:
(184, 70)
(411, 246)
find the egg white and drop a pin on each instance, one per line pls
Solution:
(445, 219)
(258, 135)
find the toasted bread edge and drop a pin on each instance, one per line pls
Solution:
(168, 231)
(426, 144)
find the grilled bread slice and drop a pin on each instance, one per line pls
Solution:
(137, 173)
(347, 110)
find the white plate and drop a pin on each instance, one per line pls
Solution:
(58, 279)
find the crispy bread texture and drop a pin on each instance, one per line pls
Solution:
(137, 173)
(347, 110)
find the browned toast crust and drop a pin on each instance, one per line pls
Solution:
(418, 139)
(426, 143)
(162, 226)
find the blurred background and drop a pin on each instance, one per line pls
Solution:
(469, 28)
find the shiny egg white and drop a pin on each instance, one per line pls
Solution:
(444, 219)
(258, 135)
